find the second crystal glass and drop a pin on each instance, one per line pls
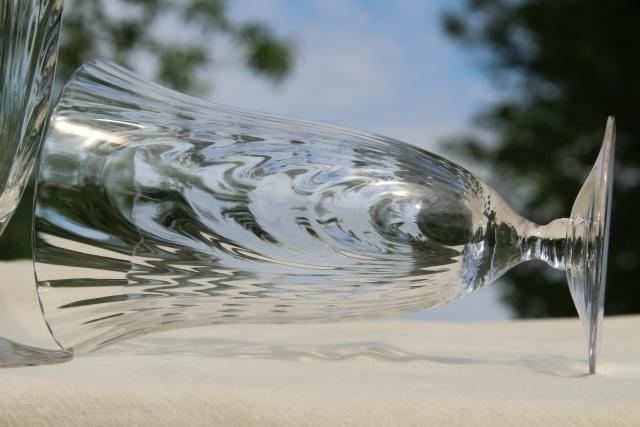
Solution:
(28, 51)
(155, 210)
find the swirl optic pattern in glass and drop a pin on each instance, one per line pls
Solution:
(155, 210)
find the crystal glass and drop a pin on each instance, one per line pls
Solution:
(155, 210)
(28, 51)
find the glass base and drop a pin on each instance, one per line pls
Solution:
(589, 242)
(13, 355)
(25, 339)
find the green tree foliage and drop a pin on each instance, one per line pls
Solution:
(566, 64)
(126, 30)
(147, 32)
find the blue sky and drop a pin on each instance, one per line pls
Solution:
(380, 66)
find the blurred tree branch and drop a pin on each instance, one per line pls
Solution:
(128, 29)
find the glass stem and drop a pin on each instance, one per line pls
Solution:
(546, 242)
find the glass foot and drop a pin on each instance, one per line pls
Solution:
(13, 354)
(589, 242)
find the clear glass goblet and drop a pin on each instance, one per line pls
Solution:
(155, 210)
